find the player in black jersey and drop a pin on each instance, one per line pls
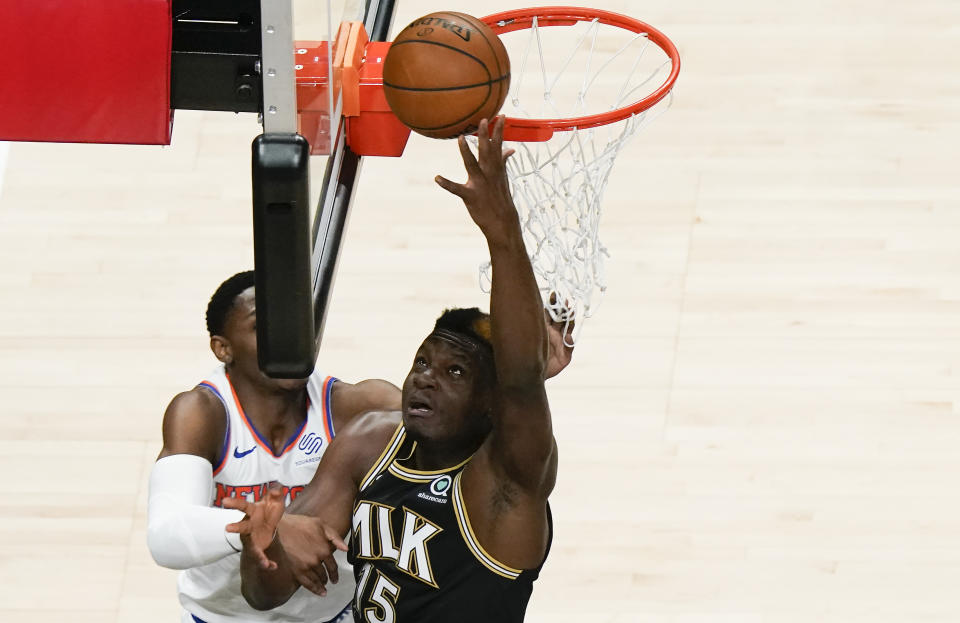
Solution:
(446, 501)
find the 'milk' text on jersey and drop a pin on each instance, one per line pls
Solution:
(373, 529)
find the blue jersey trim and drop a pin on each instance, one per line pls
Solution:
(222, 455)
(328, 407)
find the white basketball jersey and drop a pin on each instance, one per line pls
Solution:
(246, 466)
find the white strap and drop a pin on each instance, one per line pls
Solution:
(183, 530)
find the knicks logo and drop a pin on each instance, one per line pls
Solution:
(311, 443)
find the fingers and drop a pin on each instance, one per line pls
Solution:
(275, 496)
(483, 134)
(469, 161)
(275, 508)
(258, 551)
(330, 564)
(566, 311)
(493, 140)
(450, 187)
(498, 123)
(483, 130)
(316, 576)
(262, 559)
(335, 538)
(559, 335)
(244, 526)
(487, 146)
(274, 490)
(314, 580)
(490, 156)
(492, 148)
(237, 503)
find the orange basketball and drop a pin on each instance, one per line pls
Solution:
(444, 73)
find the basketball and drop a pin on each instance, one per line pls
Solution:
(444, 73)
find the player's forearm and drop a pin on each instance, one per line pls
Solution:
(523, 444)
(265, 589)
(516, 310)
(183, 530)
(329, 494)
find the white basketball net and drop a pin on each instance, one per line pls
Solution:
(558, 185)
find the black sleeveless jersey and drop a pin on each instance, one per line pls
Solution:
(415, 557)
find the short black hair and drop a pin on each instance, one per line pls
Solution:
(223, 299)
(469, 321)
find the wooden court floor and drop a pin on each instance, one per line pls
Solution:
(761, 423)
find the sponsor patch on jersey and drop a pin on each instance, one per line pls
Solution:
(440, 485)
(431, 498)
(311, 443)
(439, 488)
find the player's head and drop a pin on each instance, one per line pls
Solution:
(232, 324)
(448, 392)
(224, 300)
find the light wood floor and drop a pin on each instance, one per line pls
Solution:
(761, 422)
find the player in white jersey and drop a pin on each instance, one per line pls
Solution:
(232, 435)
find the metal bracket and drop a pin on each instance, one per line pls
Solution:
(279, 76)
(215, 55)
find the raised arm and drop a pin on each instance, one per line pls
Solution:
(521, 446)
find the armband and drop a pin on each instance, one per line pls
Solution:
(183, 529)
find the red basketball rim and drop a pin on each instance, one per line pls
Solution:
(542, 129)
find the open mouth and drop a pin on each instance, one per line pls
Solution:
(419, 408)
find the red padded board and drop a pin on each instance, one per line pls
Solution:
(90, 71)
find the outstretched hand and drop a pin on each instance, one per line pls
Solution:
(486, 193)
(559, 351)
(309, 545)
(258, 529)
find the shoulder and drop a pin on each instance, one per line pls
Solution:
(200, 398)
(350, 400)
(375, 424)
(194, 423)
(365, 438)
